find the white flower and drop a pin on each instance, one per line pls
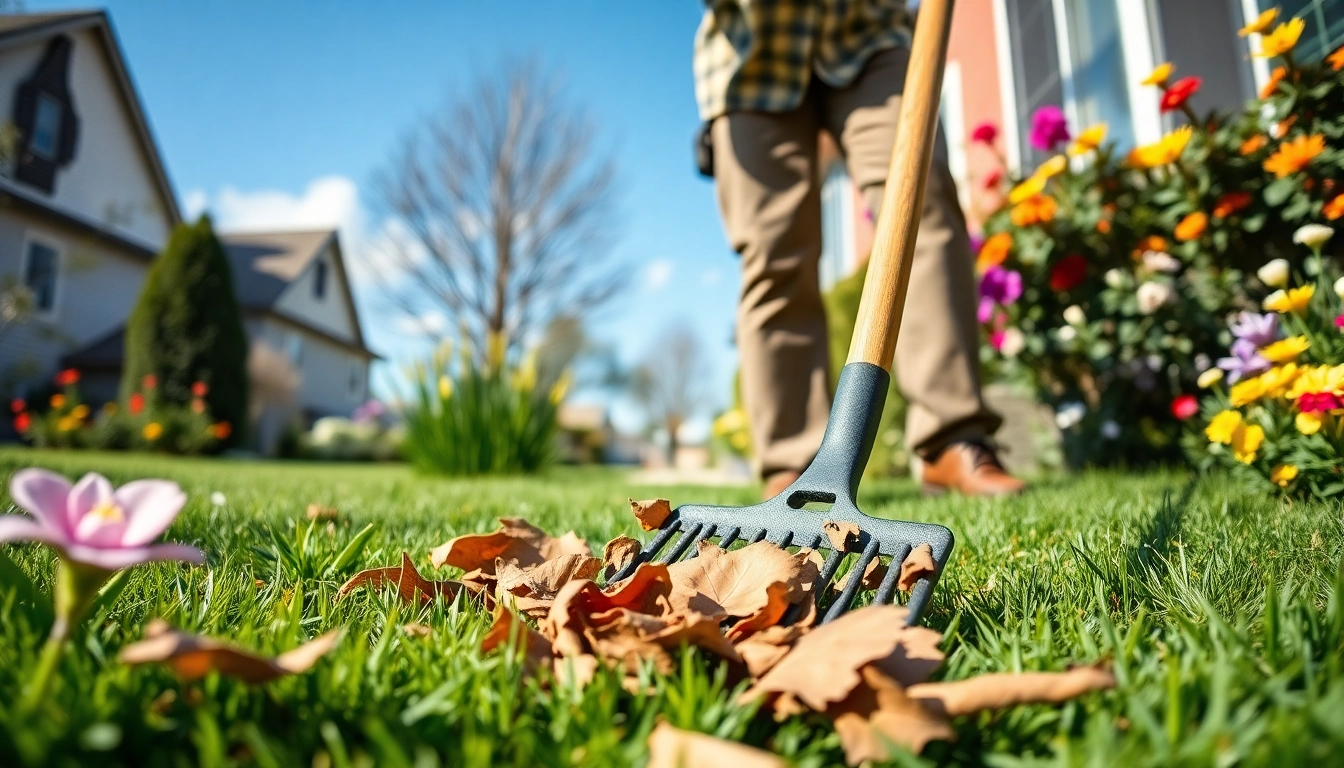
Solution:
(1152, 296)
(1069, 414)
(1210, 377)
(1202, 362)
(218, 499)
(1013, 343)
(1067, 333)
(1339, 287)
(1074, 315)
(1313, 235)
(1110, 430)
(1274, 274)
(1116, 278)
(1160, 261)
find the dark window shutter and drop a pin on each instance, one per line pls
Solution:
(50, 79)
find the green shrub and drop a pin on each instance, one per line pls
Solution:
(470, 420)
(187, 327)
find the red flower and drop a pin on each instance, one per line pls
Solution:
(1230, 203)
(22, 422)
(197, 405)
(137, 403)
(1184, 407)
(993, 179)
(1068, 273)
(199, 389)
(1319, 402)
(67, 378)
(221, 430)
(17, 405)
(1180, 91)
(985, 133)
(150, 381)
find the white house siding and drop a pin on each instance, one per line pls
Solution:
(96, 290)
(331, 313)
(324, 366)
(109, 182)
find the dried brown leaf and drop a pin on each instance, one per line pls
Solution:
(878, 713)
(416, 630)
(507, 628)
(546, 579)
(871, 579)
(516, 541)
(651, 513)
(737, 584)
(843, 536)
(917, 564)
(192, 657)
(325, 514)
(619, 553)
(408, 581)
(963, 697)
(674, 748)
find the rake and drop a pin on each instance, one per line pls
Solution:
(833, 477)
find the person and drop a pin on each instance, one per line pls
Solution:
(770, 75)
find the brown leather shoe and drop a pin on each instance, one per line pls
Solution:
(969, 468)
(777, 482)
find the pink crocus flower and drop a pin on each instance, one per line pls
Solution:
(92, 524)
(1048, 128)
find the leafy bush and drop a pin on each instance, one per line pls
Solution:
(1108, 278)
(336, 438)
(1278, 425)
(187, 327)
(469, 419)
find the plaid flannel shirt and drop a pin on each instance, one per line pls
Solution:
(759, 55)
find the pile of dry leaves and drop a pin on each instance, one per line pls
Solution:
(754, 606)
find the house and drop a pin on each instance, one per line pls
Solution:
(85, 206)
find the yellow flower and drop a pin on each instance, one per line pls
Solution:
(1281, 40)
(561, 387)
(1293, 300)
(67, 423)
(1026, 190)
(1159, 74)
(445, 387)
(1293, 156)
(1051, 168)
(80, 412)
(1088, 140)
(1246, 441)
(1286, 349)
(1282, 475)
(1210, 377)
(1260, 24)
(110, 408)
(1308, 423)
(1320, 378)
(1166, 150)
(1276, 381)
(152, 430)
(1246, 392)
(1222, 427)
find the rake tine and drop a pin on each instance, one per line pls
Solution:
(887, 588)
(646, 555)
(705, 534)
(783, 540)
(759, 535)
(919, 597)
(682, 544)
(727, 539)
(828, 571)
(842, 602)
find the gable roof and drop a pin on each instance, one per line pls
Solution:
(266, 263)
(22, 28)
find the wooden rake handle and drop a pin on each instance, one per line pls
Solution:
(884, 288)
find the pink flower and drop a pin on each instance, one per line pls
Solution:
(1339, 322)
(93, 524)
(985, 133)
(1048, 128)
(1184, 407)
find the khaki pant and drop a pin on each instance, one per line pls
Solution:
(769, 193)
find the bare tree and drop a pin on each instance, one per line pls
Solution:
(500, 210)
(671, 383)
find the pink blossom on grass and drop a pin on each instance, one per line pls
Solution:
(93, 524)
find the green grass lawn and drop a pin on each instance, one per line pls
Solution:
(1223, 614)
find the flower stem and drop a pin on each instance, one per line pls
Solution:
(76, 587)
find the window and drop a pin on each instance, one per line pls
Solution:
(355, 384)
(46, 126)
(294, 348)
(1100, 84)
(1036, 67)
(1325, 24)
(320, 279)
(40, 272)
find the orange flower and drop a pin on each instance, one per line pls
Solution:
(1150, 243)
(1280, 128)
(1192, 226)
(994, 251)
(1253, 144)
(1293, 156)
(1335, 208)
(1336, 59)
(1039, 209)
(1104, 226)
(221, 430)
(1273, 84)
(1230, 203)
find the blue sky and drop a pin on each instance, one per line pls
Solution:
(273, 113)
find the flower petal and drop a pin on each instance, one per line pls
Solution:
(150, 507)
(113, 559)
(43, 495)
(20, 528)
(91, 490)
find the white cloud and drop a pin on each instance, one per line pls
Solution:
(657, 274)
(431, 323)
(711, 276)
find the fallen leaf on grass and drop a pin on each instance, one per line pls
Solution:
(843, 536)
(319, 512)
(871, 579)
(532, 590)
(516, 541)
(739, 583)
(619, 553)
(918, 564)
(880, 712)
(671, 747)
(537, 653)
(192, 657)
(651, 513)
(963, 697)
(408, 581)
(416, 630)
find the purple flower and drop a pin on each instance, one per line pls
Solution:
(997, 286)
(93, 524)
(1245, 360)
(1048, 128)
(1259, 330)
(369, 412)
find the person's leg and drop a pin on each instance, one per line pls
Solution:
(765, 177)
(937, 360)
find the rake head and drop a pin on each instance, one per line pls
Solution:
(832, 478)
